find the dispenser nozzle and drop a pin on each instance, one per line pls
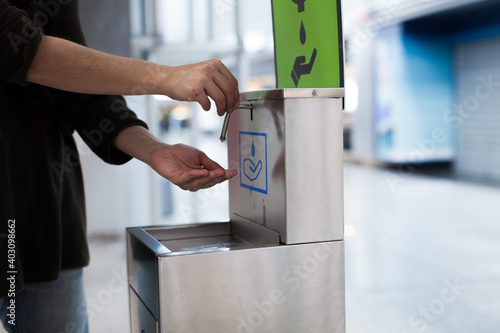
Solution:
(226, 120)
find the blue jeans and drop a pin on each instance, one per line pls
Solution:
(49, 307)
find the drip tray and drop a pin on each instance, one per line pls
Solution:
(205, 244)
(209, 237)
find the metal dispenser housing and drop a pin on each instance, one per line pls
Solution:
(297, 136)
(278, 264)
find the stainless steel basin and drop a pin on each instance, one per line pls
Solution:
(210, 278)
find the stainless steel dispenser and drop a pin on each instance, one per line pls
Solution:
(278, 264)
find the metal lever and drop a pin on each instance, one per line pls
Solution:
(226, 120)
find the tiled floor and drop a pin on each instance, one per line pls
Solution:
(422, 255)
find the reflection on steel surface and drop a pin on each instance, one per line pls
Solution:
(278, 264)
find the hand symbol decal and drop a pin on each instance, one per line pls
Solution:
(250, 169)
(301, 68)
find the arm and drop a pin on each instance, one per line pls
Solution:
(29, 56)
(61, 64)
(185, 166)
(105, 123)
(116, 134)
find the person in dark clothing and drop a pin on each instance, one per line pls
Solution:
(51, 85)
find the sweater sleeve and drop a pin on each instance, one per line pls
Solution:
(19, 41)
(98, 118)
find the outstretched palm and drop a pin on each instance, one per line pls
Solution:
(189, 168)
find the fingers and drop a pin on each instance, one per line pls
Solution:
(214, 91)
(198, 82)
(186, 180)
(224, 87)
(213, 178)
(208, 163)
(217, 174)
(231, 90)
(198, 95)
(204, 101)
(202, 173)
(189, 168)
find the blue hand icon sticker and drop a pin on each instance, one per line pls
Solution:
(250, 169)
(253, 161)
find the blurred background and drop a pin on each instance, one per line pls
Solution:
(421, 139)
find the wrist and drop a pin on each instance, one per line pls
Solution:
(160, 75)
(139, 143)
(156, 152)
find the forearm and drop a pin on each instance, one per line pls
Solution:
(65, 65)
(185, 166)
(138, 142)
(61, 64)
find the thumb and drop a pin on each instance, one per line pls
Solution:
(208, 163)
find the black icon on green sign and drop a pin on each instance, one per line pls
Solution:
(301, 68)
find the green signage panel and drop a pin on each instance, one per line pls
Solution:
(308, 44)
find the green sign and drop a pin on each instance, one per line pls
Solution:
(308, 44)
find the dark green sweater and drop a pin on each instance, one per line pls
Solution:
(41, 185)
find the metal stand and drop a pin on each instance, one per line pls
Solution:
(278, 264)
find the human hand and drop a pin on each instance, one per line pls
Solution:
(197, 82)
(188, 167)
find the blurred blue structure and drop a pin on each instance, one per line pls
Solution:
(425, 99)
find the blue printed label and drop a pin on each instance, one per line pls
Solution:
(253, 161)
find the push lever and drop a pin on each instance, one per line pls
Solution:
(226, 120)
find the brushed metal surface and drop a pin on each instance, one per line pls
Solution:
(254, 233)
(141, 319)
(278, 265)
(292, 93)
(314, 170)
(142, 266)
(145, 245)
(267, 209)
(165, 233)
(298, 143)
(289, 289)
(282, 288)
